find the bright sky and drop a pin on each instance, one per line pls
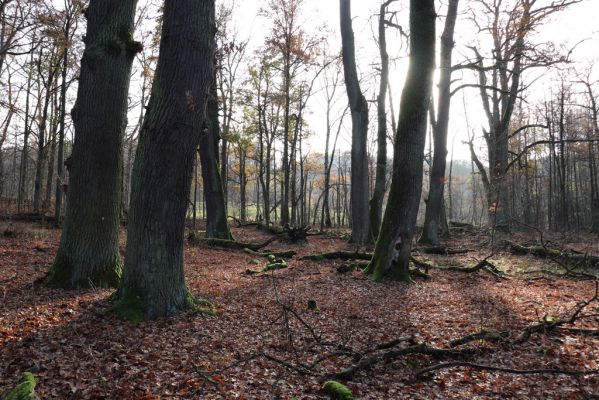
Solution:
(577, 23)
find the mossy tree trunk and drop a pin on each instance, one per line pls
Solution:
(392, 252)
(434, 206)
(359, 113)
(153, 282)
(88, 254)
(216, 212)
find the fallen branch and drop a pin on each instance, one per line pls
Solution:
(548, 324)
(490, 336)
(581, 331)
(481, 367)
(421, 348)
(484, 265)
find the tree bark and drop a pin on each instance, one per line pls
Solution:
(154, 284)
(359, 113)
(88, 254)
(392, 251)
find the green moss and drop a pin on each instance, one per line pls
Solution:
(130, 307)
(25, 389)
(60, 272)
(337, 391)
(60, 275)
(416, 273)
(273, 266)
(201, 306)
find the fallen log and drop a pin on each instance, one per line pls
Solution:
(442, 250)
(338, 255)
(228, 244)
(267, 254)
(567, 255)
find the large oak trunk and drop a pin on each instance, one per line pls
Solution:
(154, 283)
(88, 254)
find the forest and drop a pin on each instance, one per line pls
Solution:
(299, 199)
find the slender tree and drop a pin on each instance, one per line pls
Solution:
(88, 254)
(392, 252)
(434, 204)
(216, 210)
(153, 283)
(376, 203)
(359, 113)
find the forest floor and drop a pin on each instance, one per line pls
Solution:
(78, 351)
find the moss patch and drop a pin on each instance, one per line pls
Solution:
(130, 307)
(60, 275)
(200, 306)
(337, 391)
(25, 389)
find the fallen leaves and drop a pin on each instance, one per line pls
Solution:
(77, 351)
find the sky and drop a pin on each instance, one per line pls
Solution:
(578, 23)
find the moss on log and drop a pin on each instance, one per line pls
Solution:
(278, 254)
(273, 265)
(337, 391)
(25, 389)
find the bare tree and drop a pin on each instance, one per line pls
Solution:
(359, 112)
(392, 252)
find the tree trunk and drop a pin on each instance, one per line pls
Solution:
(88, 254)
(25, 152)
(376, 203)
(216, 212)
(394, 244)
(154, 284)
(359, 113)
(434, 205)
(60, 177)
